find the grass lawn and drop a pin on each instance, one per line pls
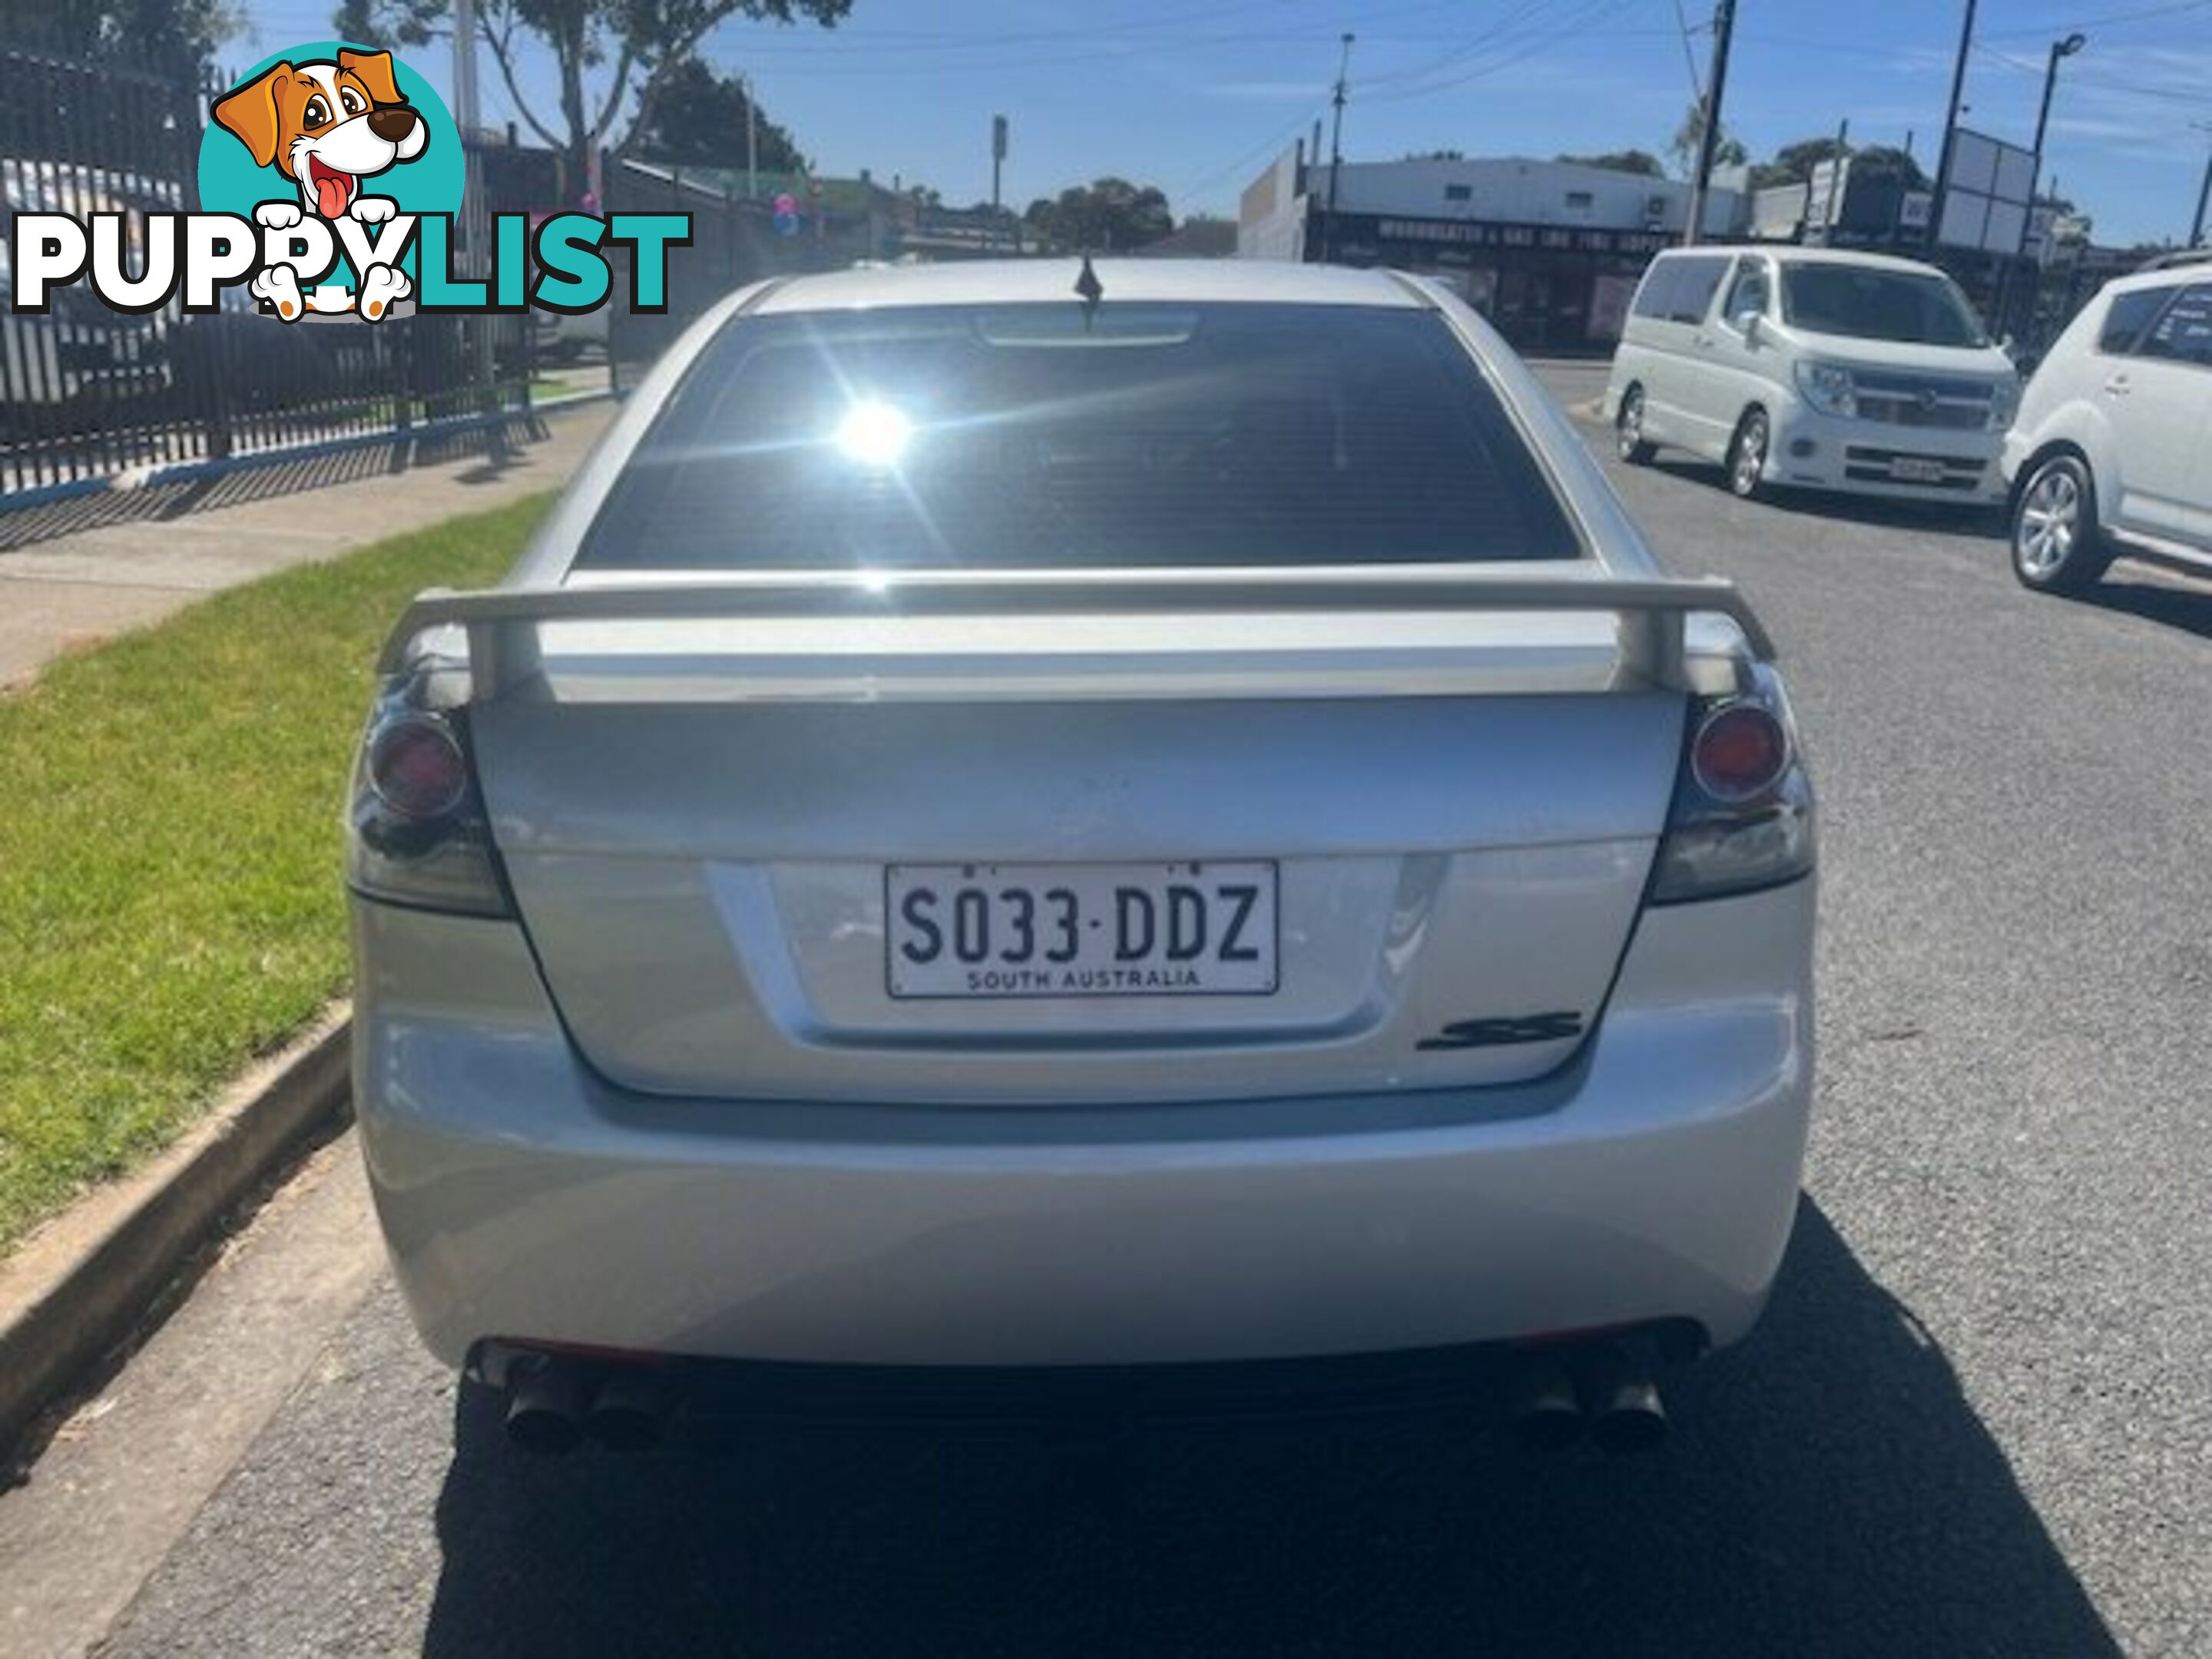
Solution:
(170, 902)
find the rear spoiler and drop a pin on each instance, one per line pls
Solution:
(502, 624)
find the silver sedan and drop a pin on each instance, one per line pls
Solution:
(1019, 819)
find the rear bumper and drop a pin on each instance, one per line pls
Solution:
(522, 1197)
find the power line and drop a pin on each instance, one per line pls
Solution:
(1265, 146)
(1689, 57)
(1497, 31)
(2111, 20)
(2132, 88)
(1537, 44)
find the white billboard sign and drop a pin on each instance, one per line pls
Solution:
(1987, 197)
(1830, 183)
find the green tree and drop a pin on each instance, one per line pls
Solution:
(1793, 164)
(1107, 216)
(1690, 136)
(1641, 161)
(629, 47)
(1886, 162)
(700, 120)
(136, 32)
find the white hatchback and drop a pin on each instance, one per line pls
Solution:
(2112, 451)
(1021, 821)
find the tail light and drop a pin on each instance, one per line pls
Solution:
(1742, 815)
(416, 830)
(1739, 752)
(415, 765)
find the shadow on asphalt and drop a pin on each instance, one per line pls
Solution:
(1877, 511)
(1830, 1491)
(2189, 609)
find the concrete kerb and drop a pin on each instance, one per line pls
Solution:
(84, 1281)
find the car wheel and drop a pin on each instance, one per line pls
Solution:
(1746, 456)
(1629, 441)
(2057, 547)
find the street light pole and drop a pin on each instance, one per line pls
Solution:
(2060, 51)
(1336, 150)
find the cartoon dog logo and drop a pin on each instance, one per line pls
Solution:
(326, 125)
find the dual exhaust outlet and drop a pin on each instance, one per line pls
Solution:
(553, 1403)
(1554, 1398)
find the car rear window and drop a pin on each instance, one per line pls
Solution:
(1061, 436)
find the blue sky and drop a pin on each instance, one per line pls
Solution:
(1195, 95)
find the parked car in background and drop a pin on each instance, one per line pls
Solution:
(563, 339)
(2112, 451)
(999, 831)
(1807, 367)
(74, 362)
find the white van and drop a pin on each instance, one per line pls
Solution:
(1813, 368)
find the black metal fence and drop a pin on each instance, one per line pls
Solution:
(87, 392)
(732, 244)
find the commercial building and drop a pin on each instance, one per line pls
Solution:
(1549, 251)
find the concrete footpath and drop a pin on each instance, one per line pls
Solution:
(125, 1475)
(72, 591)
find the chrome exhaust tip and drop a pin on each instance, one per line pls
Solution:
(629, 1411)
(546, 1404)
(1622, 1400)
(1542, 1409)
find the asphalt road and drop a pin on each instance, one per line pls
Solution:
(1978, 1419)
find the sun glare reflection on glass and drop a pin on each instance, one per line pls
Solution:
(874, 434)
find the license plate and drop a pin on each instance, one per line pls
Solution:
(1914, 469)
(1080, 930)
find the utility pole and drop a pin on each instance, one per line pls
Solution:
(1950, 127)
(998, 161)
(2203, 193)
(752, 140)
(465, 115)
(1336, 149)
(475, 236)
(1835, 179)
(1708, 139)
